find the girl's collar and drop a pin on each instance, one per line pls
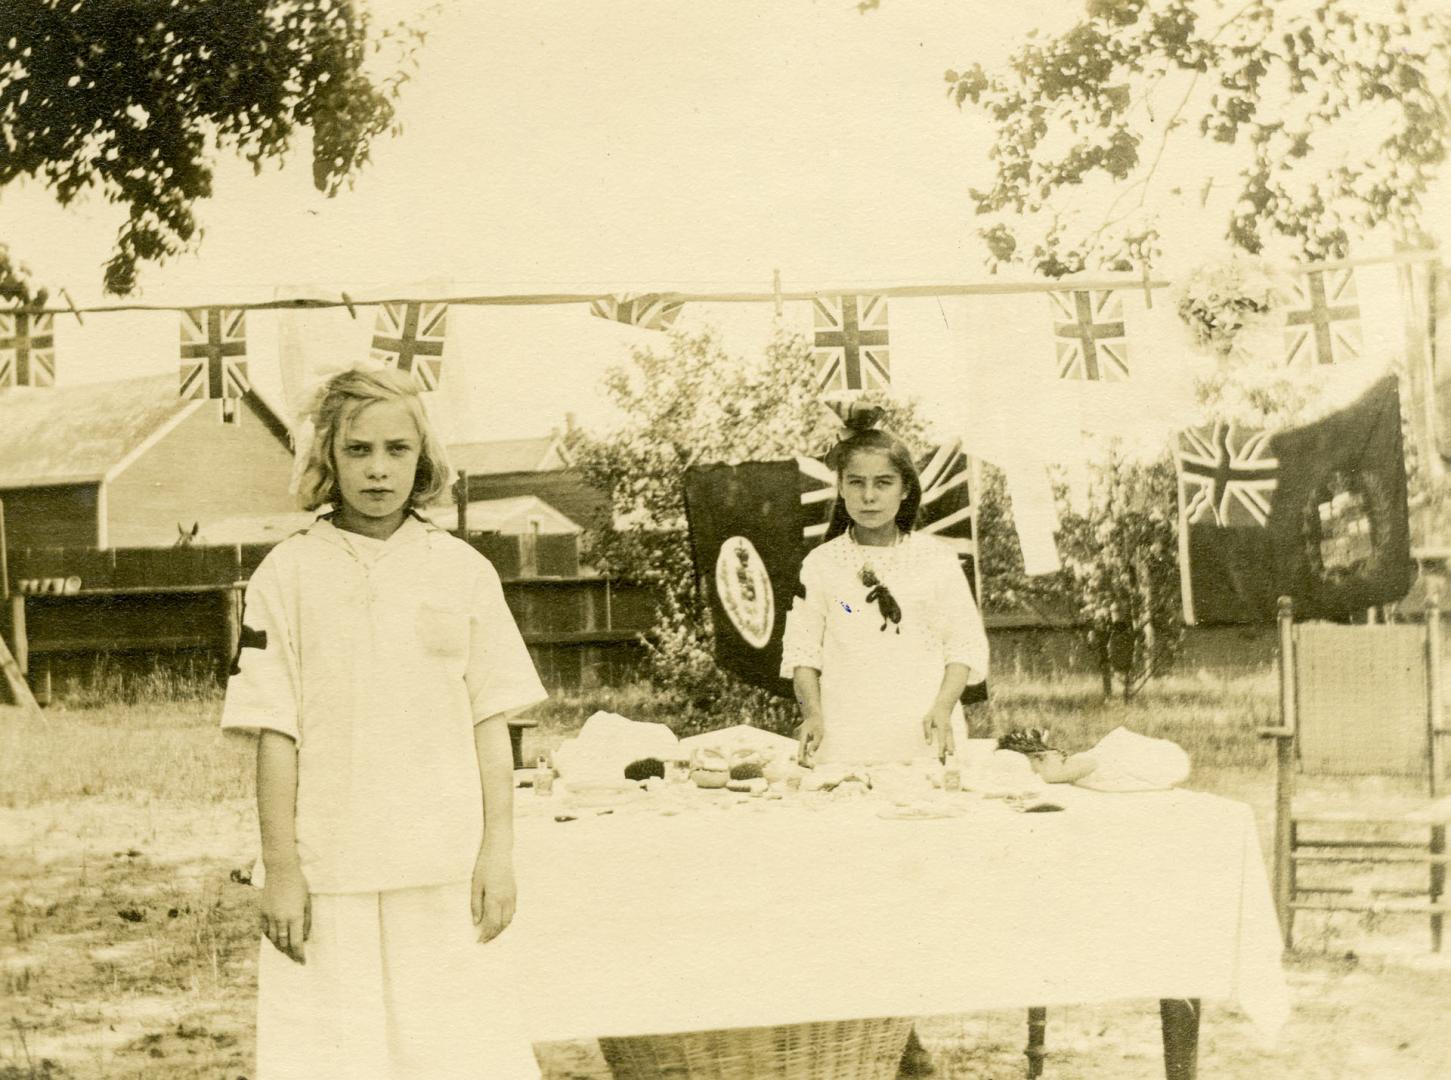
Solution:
(413, 526)
(897, 541)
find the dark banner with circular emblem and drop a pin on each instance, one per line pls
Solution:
(746, 538)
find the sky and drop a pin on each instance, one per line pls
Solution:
(584, 146)
(579, 146)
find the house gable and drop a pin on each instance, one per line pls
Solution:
(197, 470)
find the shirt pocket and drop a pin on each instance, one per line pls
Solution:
(443, 630)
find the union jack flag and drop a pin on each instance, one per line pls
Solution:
(409, 336)
(948, 509)
(1089, 334)
(1323, 323)
(27, 349)
(1226, 475)
(818, 492)
(851, 344)
(213, 343)
(649, 311)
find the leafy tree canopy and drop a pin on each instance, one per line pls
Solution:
(1323, 119)
(134, 98)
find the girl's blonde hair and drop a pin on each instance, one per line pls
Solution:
(341, 399)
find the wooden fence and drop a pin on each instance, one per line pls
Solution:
(78, 602)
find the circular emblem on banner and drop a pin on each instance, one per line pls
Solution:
(744, 589)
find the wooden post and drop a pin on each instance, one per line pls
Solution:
(14, 666)
(1420, 328)
(1434, 722)
(1438, 884)
(461, 497)
(1037, 1036)
(4, 557)
(1434, 704)
(1285, 772)
(43, 695)
(19, 639)
(1179, 1022)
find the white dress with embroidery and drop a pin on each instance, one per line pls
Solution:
(879, 677)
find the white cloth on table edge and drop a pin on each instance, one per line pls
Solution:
(1137, 896)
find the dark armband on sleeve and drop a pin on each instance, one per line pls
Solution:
(247, 639)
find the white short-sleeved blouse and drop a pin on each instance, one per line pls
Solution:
(379, 663)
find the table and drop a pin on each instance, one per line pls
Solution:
(750, 913)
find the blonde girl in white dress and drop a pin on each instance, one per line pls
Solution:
(377, 667)
(884, 634)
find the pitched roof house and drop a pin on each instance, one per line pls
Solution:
(125, 463)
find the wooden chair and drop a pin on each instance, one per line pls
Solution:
(1359, 701)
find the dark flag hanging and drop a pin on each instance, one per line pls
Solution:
(1317, 513)
(745, 537)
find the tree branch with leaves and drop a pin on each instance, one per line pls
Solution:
(133, 100)
(1323, 119)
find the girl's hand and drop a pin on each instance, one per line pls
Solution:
(937, 730)
(811, 732)
(493, 894)
(287, 911)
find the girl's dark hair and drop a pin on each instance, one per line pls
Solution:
(864, 436)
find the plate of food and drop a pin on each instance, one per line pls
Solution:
(918, 811)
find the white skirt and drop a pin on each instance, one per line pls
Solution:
(396, 987)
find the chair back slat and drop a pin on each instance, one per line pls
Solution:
(1362, 701)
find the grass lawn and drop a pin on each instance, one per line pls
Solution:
(126, 951)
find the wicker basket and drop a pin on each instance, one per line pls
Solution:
(837, 1050)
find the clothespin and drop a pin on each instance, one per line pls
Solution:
(1148, 292)
(348, 303)
(72, 305)
(776, 290)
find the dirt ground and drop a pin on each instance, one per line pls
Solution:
(126, 951)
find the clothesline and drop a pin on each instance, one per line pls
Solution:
(981, 288)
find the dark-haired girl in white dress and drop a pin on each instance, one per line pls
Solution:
(884, 634)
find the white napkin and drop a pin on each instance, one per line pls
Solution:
(1126, 761)
(607, 743)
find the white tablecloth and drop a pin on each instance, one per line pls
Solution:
(734, 914)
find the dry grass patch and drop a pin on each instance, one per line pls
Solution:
(126, 951)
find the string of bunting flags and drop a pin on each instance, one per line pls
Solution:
(851, 335)
(1337, 537)
(1087, 331)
